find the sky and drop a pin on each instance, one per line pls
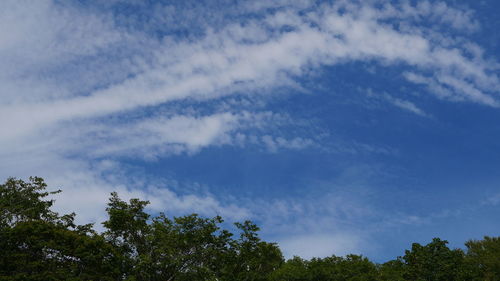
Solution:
(337, 126)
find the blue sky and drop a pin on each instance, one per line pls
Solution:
(338, 126)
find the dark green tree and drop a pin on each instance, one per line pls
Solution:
(39, 244)
(392, 270)
(295, 269)
(22, 201)
(349, 268)
(433, 262)
(249, 258)
(127, 230)
(185, 248)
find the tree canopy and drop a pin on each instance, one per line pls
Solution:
(37, 243)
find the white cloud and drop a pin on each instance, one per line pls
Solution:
(274, 144)
(407, 105)
(322, 245)
(457, 18)
(209, 67)
(161, 135)
(398, 102)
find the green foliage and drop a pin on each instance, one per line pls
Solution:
(249, 257)
(349, 268)
(37, 243)
(22, 201)
(185, 248)
(392, 270)
(433, 262)
(295, 269)
(483, 259)
(127, 230)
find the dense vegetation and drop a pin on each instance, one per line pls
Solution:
(36, 243)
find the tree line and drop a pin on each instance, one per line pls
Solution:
(36, 243)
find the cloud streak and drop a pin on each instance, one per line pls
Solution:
(260, 54)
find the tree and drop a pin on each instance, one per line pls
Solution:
(483, 259)
(294, 269)
(392, 270)
(185, 248)
(22, 201)
(249, 258)
(127, 230)
(433, 262)
(39, 244)
(349, 268)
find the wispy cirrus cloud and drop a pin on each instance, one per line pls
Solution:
(398, 102)
(208, 67)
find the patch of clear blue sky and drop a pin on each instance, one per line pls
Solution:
(448, 161)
